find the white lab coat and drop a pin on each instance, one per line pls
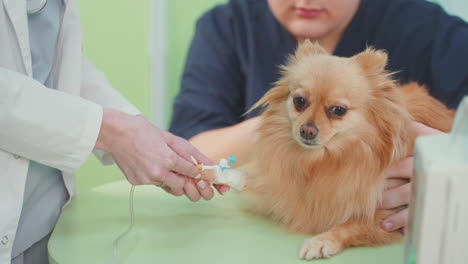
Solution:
(59, 127)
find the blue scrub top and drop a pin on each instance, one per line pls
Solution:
(237, 48)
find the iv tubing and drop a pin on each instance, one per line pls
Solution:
(130, 227)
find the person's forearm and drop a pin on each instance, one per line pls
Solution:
(114, 124)
(104, 137)
(234, 140)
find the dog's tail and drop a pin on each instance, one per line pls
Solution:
(426, 109)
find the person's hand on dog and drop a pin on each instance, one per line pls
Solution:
(218, 143)
(397, 196)
(149, 155)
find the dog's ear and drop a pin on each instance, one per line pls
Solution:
(307, 48)
(275, 95)
(372, 61)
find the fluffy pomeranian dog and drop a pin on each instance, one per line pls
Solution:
(329, 129)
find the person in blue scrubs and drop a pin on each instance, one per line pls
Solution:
(237, 48)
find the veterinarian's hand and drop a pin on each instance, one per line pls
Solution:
(194, 190)
(399, 195)
(149, 155)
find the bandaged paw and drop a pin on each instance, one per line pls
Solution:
(222, 174)
(231, 177)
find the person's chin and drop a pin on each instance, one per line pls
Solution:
(308, 30)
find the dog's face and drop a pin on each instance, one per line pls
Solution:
(326, 96)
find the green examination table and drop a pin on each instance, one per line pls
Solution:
(172, 229)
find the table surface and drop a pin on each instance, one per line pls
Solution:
(174, 230)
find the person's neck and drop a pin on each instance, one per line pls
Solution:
(328, 42)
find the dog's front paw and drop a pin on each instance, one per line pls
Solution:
(321, 246)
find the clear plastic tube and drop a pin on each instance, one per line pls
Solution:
(129, 229)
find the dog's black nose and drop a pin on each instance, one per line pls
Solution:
(309, 131)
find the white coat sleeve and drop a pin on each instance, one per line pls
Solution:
(95, 87)
(45, 125)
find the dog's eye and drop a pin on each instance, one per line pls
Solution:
(299, 103)
(337, 111)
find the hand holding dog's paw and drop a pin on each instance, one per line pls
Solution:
(320, 246)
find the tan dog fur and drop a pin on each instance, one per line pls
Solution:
(333, 189)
